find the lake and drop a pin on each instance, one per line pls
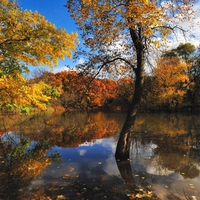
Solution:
(72, 156)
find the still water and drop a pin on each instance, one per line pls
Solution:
(71, 156)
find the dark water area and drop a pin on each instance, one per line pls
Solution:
(71, 156)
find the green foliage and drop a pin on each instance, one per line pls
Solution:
(185, 50)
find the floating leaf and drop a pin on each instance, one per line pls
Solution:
(66, 176)
(191, 185)
(60, 197)
(71, 169)
(139, 196)
(96, 188)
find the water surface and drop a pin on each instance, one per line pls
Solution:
(71, 156)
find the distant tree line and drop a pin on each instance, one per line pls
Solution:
(172, 86)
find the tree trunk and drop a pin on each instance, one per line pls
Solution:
(123, 145)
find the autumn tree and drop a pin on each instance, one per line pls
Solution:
(27, 38)
(150, 97)
(185, 51)
(17, 93)
(193, 95)
(172, 81)
(124, 93)
(190, 55)
(122, 32)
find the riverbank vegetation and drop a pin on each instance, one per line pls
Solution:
(172, 86)
(27, 38)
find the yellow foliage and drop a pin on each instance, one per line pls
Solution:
(28, 37)
(171, 79)
(108, 19)
(16, 92)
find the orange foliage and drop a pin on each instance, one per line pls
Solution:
(171, 79)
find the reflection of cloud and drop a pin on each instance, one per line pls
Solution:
(38, 182)
(82, 152)
(110, 166)
(109, 144)
(153, 170)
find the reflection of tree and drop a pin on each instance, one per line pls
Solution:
(177, 141)
(175, 149)
(86, 187)
(138, 189)
(173, 153)
(21, 162)
(69, 130)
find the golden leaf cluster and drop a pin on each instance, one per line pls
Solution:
(27, 38)
(171, 79)
(16, 92)
(106, 20)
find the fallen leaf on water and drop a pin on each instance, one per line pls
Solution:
(71, 169)
(191, 185)
(60, 197)
(96, 189)
(140, 189)
(66, 176)
(139, 196)
(149, 186)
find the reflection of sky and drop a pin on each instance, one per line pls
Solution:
(97, 158)
(85, 158)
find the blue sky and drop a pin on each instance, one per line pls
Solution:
(55, 12)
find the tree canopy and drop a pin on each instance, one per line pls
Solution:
(119, 30)
(27, 38)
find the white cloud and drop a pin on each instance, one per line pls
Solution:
(58, 69)
(193, 30)
(80, 61)
(61, 68)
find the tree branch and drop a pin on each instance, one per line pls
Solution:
(101, 67)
